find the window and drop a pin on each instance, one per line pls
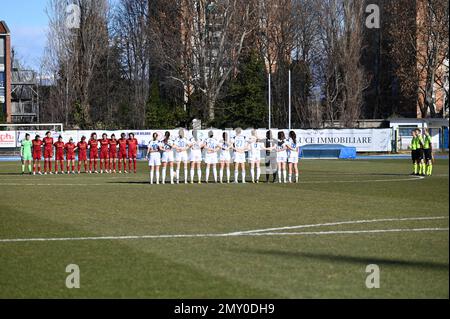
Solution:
(2, 50)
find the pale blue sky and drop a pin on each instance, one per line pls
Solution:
(27, 22)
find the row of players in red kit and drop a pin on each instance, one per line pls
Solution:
(112, 151)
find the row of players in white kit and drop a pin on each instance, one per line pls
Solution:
(168, 151)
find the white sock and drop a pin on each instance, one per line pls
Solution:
(243, 176)
(192, 174)
(172, 173)
(163, 177)
(296, 177)
(252, 173)
(221, 174)
(258, 173)
(157, 176)
(215, 174)
(185, 174)
(290, 178)
(236, 175)
(279, 176)
(284, 175)
(228, 174)
(207, 174)
(199, 174)
(178, 174)
(151, 177)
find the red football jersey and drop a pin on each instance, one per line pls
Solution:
(82, 147)
(48, 142)
(93, 144)
(132, 145)
(37, 144)
(70, 149)
(122, 145)
(59, 146)
(112, 145)
(104, 144)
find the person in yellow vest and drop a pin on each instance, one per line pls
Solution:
(428, 153)
(419, 147)
(413, 148)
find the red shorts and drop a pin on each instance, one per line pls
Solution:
(70, 157)
(37, 156)
(122, 154)
(113, 155)
(132, 155)
(104, 155)
(93, 155)
(60, 156)
(48, 153)
(82, 156)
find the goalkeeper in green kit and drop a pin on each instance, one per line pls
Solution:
(25, 153)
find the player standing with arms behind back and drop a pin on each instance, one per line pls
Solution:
(25, 153)
(122, 153)
(181, 145)
(167, 157)
(154, 157)
(48, 152)
(293, 152)
(104, 153)
(255, 146)
(93, 152)
(239, 147)
(82, 154)
(225, 157)
(196, 144)
(112, 153)
(132, 151)
(281, 156)
(37, 154)
(211, 146)
(70, 155)
(59, 148)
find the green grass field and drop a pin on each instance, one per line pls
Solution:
(326, 263)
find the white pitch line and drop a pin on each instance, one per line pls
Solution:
(350, 222)
(337, 232)
(260, 232)
(221, 235)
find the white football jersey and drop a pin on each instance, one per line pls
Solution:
(167, 145)
(292, 143)
(211, 143)
(181, 142)
(154, 145)
(196, 144)
(281, 145)
(240, 142)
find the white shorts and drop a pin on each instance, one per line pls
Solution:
(225, 156)
(293, 158)
(181, 157)
(239, 157)
(196, 156)
(211, 158)
(167, 157)
(282, 157)
(155, 159)
(255, 157)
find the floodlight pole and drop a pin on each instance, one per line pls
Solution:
(270, 104)
(290, 103)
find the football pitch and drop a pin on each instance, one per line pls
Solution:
(308, 240)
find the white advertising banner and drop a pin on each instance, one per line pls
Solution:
(7, 139)
(365, 140)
